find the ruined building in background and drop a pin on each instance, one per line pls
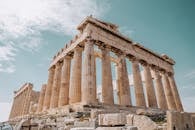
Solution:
(23, 101)
(69, 100)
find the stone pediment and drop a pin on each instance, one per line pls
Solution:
(101, 23)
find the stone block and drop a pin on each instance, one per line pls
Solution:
(84, 124)
(131, 128)
(130, 119)
(110, 128)
(141, 122)
(83, 128)
(112, 119)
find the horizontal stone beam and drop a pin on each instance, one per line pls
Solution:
(99, 54)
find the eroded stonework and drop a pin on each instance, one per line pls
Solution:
(72, 100)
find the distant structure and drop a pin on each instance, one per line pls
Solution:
(23, 100)
(71, 89)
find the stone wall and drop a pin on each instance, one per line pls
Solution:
(179, 121)
(22, 99)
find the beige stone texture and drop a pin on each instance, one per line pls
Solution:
(138, 86)
(160, 95)
(175, 93)
(83, 128)
(151, 97)
(126, 45)
(22, 99)
(65, 82)
(168, 93)
(112, 119)
(110, 128)
(141, 122)
(41, 98)
(75, 79)
(131, 128)
(48, 91)
(179, 121)
(56, 86)
(88, 74)
(123, 87)
(107, 87)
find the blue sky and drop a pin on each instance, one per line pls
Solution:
(32, 31)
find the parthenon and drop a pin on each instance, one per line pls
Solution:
(72, 79)
(77, 83)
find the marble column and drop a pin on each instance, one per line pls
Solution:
(88, 75)
(56, 86)
(65, 81)
(160, 94)
(149, 86)
(175, 92)
(138, 86)
(107, 87)
(117, 82)
(48, 91)
(168, 94)
(75, 79)
(41, 98)
(123, 82)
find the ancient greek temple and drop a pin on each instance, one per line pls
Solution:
(102, 80)
(24, 98)
(72, 72)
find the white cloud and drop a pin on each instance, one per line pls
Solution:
(190, 75)
(7, 53)
(126, 31)
(23, 21)
(7, 68)
(7, 56)
(24, 17)
(5, 111)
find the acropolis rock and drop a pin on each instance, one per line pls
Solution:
(71, 99)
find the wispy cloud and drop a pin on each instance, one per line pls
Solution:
(126, 31)
(23, 21)
(7, 53)
(8, 68)
(190, 75)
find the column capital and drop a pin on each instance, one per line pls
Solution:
(67, 57)
(170, 74)
(104, 47)
(155, 68)
(89, 39)
(144, 63)
(121, 55)
(59, 64)
(133, 59)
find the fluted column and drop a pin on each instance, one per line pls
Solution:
(168, 94)
(175, 93)
(107, 87)
(159, 90)
(88, 75)
(48, 91)
(65, 81)
(75, 79)
(56, 86)
(41, 98)
(138, 86)
(117, 82)
(123, 82)
(149, 86)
